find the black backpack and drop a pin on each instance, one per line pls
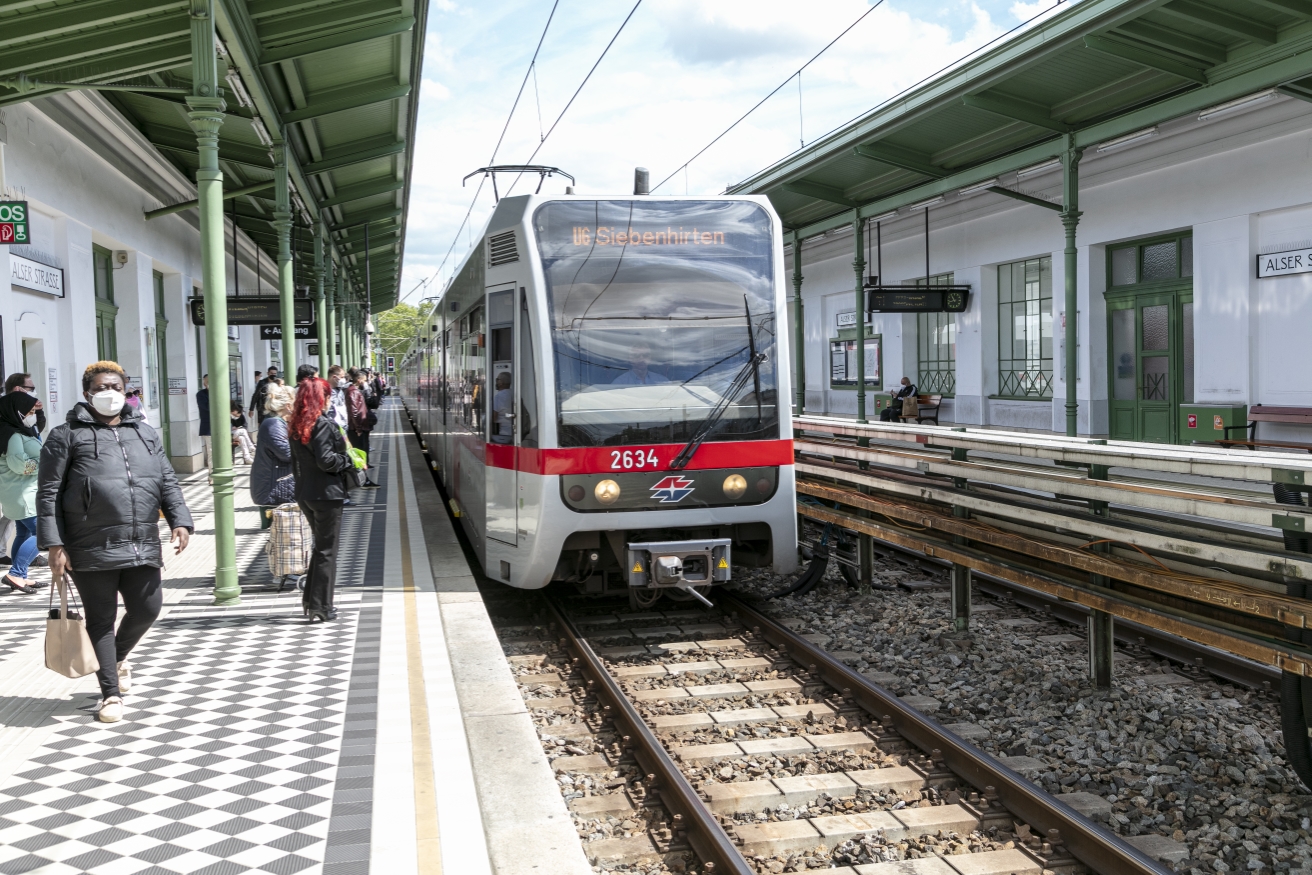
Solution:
(371, 400)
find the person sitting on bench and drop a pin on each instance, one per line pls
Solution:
(894, 409)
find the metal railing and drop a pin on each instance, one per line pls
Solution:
(1195, 541)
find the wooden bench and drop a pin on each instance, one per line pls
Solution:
(1267, 413)
(929, 406)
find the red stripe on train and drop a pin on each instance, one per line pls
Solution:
(607, 460)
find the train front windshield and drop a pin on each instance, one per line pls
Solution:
(656, 309)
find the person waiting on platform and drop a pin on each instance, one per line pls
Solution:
(638, 374)
(303, 373)
(319, 464)
(360, 420)
(241, 438)
(104, 478)
(20, 450)
(272, 482)
(894, 409)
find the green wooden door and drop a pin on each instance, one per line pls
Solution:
(162, 366)
(1148, 359)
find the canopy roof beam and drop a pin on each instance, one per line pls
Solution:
(341, 104)
(903, 159)
(819, 192)
(301, 49)
(1223, 20)
(1017, 110)
(360, 156)
(359, 192)
(1147, 57)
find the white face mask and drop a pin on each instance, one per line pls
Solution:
(342, 384)
(109, 402)
(29, 420)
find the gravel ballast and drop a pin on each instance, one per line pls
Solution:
(1191, 760)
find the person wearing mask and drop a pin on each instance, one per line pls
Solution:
(319, 464)
(241, 437)
(337, 403)
(206, 442)
(261, 391)
(20, 442)
(134, 399)
(271, 480)
(360, 419)
(21, 382)
(103, 480)
(24, 382)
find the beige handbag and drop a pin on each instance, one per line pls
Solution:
(910, 406)
(68, 647)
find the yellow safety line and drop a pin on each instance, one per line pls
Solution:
(428, 841)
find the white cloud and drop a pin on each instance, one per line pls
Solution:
(678, 75)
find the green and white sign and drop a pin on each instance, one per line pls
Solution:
(13, 222)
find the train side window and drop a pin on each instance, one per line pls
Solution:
(528, 383)
(501, 367)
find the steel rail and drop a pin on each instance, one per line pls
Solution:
(705, 834)
(1093, 845)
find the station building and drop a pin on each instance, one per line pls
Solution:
(98, 281)
(1192, 166)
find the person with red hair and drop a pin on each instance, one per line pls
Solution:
(319, 463)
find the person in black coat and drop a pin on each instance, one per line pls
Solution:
(206, 442)
(319, 463)
(104, 477)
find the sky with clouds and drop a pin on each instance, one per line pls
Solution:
(677, 76)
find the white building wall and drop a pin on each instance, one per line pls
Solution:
(88, 178)
(1240, 184)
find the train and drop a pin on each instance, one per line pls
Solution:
(602, 391)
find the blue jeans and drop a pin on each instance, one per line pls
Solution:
(24, 549)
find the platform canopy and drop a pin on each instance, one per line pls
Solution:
(338, 79)
(1097, 71)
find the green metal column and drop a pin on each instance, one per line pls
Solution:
(859, 267)
(799, 339)
(1070, 218)
(333, 357)
(320, 299)
(282, 223)
(206, 115)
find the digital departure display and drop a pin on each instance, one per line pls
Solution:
(604, 235)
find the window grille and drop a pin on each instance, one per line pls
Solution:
(1025, 329)
(936, 346)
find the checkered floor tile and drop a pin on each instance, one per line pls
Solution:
(236, 729)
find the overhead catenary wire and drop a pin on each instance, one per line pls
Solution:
(577, 91)
(796, 75)
(495, 149)
(888, 100)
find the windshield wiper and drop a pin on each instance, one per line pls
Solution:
(751, 351)
(685, 455)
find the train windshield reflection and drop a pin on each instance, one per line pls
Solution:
(652, 307)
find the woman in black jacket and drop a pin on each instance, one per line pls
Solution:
(319, 462)
(103, 479)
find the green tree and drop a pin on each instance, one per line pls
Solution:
(397, 327)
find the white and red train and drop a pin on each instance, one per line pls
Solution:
(600, 389)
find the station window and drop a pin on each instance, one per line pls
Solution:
(936, 346)
(1025, 329)
(1151, 261)
(102, 261)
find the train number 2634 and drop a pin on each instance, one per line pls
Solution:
(627, 460)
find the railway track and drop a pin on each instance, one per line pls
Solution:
(728, 743)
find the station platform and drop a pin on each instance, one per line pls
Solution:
(393, 740)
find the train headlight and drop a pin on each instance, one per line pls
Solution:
(607, 491)
(734, 486)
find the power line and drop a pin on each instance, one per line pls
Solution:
(775, 91)
(600, 58)
(495, 150)
(888, 100)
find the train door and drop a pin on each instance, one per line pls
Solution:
(500, 416)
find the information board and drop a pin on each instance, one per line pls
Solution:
(256, 310)
(13, 222)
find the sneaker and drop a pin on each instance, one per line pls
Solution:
(111, 710)
(124, 676)
(40, 561)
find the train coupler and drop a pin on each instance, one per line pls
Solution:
(679, 564)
